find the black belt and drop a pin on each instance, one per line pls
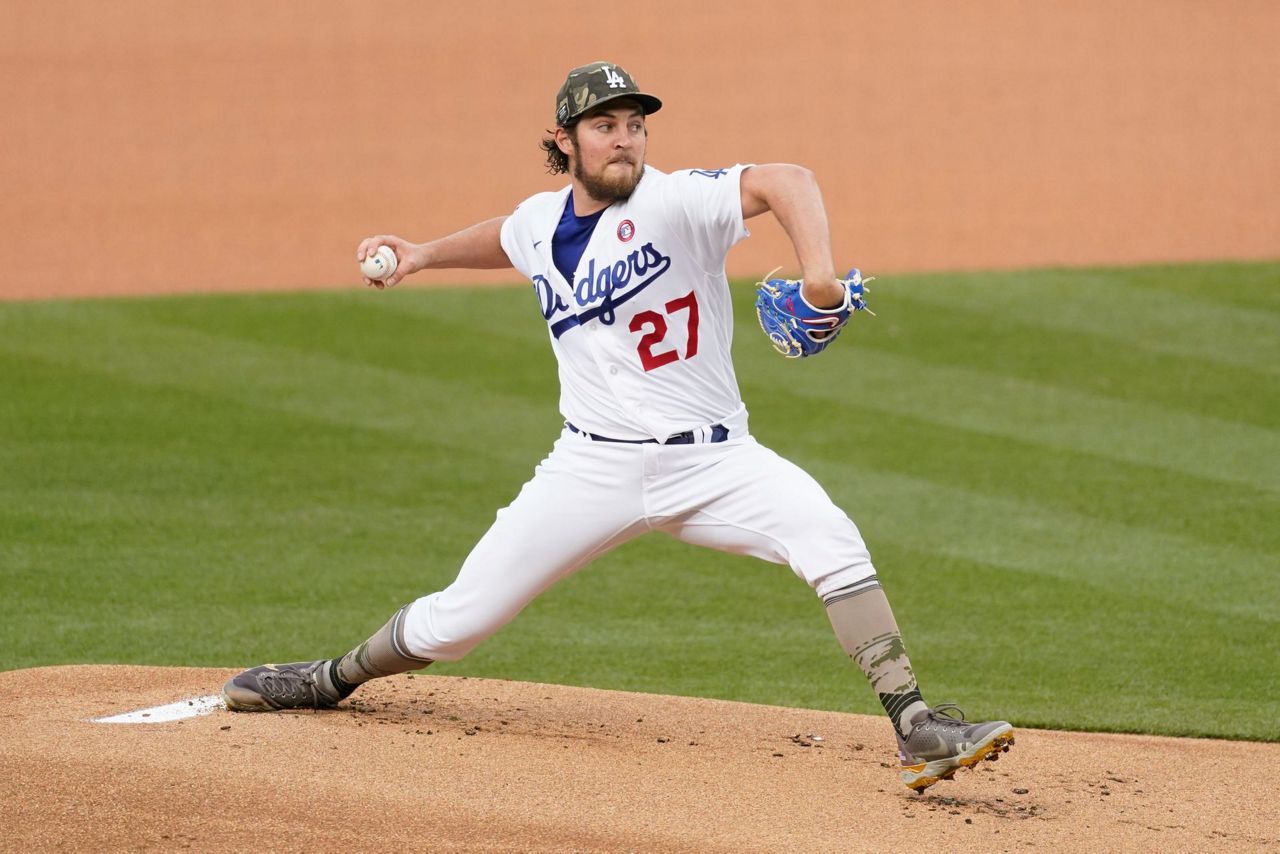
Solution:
(719, 433)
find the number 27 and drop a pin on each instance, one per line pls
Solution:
(657, 330)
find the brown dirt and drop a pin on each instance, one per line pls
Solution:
(447, 763)
(240, 145)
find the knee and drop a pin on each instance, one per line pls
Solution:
(833, 558)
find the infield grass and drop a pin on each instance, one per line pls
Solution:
(1069, 480)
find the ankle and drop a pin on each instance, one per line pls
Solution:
(906, 718)
(383, 654)
(340, 685)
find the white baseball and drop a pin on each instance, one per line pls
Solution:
(379, 265)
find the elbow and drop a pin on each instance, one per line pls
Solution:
(798, 174)
(765, 186)
(792, 179)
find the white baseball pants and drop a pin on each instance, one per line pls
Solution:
(589, 496)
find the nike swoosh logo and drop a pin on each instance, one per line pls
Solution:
(536, 243)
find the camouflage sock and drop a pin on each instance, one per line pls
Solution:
(867, 631)
(381, 655)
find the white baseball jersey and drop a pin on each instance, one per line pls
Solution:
(642, 333)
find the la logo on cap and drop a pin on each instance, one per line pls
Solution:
(613, 78)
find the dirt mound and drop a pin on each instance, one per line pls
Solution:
(447, 763)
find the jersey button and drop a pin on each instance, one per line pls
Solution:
(613, 370)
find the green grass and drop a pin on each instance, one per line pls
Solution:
(1070, 482)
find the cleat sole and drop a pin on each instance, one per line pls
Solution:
(922, 775)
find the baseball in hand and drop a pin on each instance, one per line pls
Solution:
(379, 265)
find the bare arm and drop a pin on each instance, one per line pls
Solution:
(476, 248)
(792, 193)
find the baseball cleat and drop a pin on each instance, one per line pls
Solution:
(941, 742)
(271, 687)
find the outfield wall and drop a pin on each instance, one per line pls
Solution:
(152, 146)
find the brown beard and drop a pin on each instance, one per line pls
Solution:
(604, 189)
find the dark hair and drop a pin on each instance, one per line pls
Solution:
(557, 160)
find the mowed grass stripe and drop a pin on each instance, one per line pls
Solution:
(1086, 485)
(1056, 417)
(1083, 656)
(393, 331)
(117, 439)
(1246, 284)
(285, 379)
(1219, 316)
(1107, 366)
(992, 531)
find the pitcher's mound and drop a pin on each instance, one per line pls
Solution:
(446, 763)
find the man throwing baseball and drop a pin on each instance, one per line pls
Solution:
(627, 266)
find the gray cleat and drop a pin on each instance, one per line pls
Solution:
(942, 742)
(301, 685)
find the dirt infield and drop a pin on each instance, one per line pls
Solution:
(238, 145)
(447, 763)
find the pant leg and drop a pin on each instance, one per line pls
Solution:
(583, 500)
(748, 500)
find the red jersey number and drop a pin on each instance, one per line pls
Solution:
(654, 327)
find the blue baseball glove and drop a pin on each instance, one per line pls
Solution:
(797, 329)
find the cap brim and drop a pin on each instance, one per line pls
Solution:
(648, 103)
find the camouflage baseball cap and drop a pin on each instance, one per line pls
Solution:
(590, 85)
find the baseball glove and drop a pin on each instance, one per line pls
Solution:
(797, 329)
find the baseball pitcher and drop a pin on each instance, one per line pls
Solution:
(627, 268)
